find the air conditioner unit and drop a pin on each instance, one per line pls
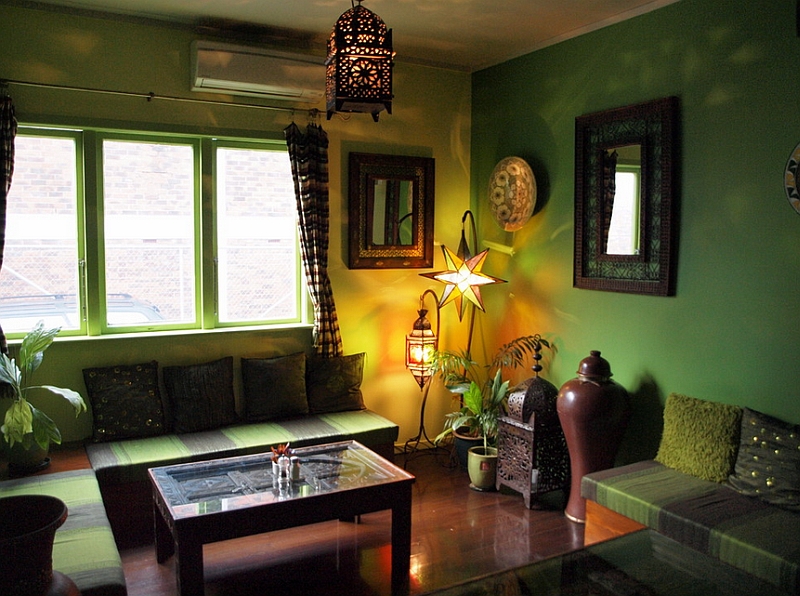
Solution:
(224, 68)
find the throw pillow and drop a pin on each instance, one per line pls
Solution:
(334, 384)
(125, 400)
(700, 437)
(274, 387)
(201, 395)
(768, 463)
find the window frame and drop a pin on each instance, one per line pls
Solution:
(91, 255)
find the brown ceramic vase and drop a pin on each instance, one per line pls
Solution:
(594, 411)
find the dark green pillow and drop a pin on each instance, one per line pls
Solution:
(125, 400)
(201, 395)
(768, 463)
(274, 387)
(334, 384)
(700, 437)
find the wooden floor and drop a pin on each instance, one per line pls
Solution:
(457, 534)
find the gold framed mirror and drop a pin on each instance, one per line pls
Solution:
(390, 211)
(626, 163)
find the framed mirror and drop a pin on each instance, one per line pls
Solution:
(390, 211)
(626, 198)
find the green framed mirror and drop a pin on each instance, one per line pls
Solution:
(626, 163)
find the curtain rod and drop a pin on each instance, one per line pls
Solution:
(313, 112)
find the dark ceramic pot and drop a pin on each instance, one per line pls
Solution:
(594, 412)
(28, 525)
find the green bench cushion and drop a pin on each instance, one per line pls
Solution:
(712, 518)
(84, 547)
(128, 461)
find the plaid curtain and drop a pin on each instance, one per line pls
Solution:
(8, 130)
(309, 156)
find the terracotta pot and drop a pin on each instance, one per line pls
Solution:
(482, 467)
(594, 412)
(28, 525)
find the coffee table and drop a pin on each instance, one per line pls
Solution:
(210, 501)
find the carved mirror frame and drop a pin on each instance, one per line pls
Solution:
(416, 175)
(654, 126)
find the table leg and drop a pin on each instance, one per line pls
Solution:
(189, 567)
(401, 542)
(165, 545)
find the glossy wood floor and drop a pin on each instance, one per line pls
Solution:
(457, 534)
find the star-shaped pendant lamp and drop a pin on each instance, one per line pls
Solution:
(463, 276)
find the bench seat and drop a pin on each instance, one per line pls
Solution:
(709, 517)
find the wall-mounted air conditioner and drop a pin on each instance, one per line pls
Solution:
(238, 70)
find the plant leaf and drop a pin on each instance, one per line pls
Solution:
(73, 397)
(35, 342)
(45, 430)
(18, 421)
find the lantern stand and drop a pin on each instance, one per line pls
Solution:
(421, 345)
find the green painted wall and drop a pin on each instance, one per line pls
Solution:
(731, 332)
(431, 117)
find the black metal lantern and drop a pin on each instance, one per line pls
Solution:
(359, 64)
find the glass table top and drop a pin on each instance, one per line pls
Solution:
(239, 482)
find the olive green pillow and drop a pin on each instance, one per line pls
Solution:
(274, 387)
(334, 384)
(768, 463)
(700, 437)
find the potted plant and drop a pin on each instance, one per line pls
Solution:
(26, 429)
(482, 402)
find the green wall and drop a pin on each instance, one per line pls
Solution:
(731, 332)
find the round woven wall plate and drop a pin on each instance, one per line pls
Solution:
(512, 193)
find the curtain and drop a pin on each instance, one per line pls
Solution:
(609, 191)
(8, 130)
(308, 154)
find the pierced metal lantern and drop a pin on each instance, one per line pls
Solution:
(359, 64)
(532, 455)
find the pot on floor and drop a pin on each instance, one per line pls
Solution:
(482, 467)
(28, 525)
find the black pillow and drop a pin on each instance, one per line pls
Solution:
(334, 384)
(274, 387)
(201, 395)
(125, 400)
(768, 462)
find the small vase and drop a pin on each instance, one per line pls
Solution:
(462, 444)
(594, 412)
(482, 468)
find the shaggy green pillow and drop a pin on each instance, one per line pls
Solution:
(700, 437)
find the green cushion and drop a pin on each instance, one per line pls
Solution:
(201, 395)
(274, 387)
(700, 437)
(334, 384)
(768, 461)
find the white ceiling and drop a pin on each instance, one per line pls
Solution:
(460, 34)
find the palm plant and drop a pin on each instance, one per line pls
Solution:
(22, 418)
(483, 402)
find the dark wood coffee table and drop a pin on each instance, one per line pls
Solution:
(199, 503)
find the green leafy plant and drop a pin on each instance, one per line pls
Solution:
(482, 402)
(22, 418)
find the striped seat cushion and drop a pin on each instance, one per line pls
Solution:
(127, 461)
(84, 547)
(712, 518)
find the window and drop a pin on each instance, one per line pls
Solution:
(162, 251)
